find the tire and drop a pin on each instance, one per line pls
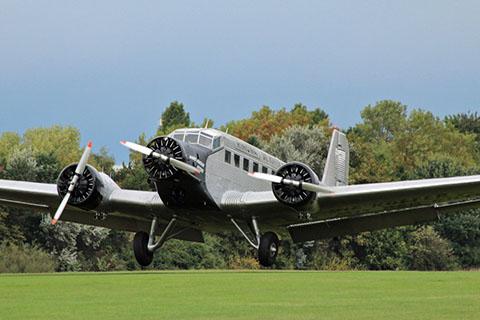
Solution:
(140, 242)
(268, 249)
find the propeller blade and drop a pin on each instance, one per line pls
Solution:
(183, 166)
(267, 177)
(60, 209)
(136, 147)
(78, 172)
(299, 184)
(149, 152)
(84, 159)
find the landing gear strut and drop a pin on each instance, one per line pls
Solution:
(266, 244)
(144, 244)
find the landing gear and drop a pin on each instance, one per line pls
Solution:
(268, 249)
(140, 243)
(267, 244)
(144, 244)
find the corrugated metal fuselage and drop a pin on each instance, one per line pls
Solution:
(201, 201)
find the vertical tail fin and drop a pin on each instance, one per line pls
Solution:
(336, 167)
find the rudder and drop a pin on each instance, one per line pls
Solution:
(337, 164)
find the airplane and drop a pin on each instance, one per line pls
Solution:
(208, 180)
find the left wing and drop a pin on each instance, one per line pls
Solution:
(127, 210)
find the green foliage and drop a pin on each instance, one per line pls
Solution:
(390, 144)
(466, 123)
(8, 142)
(176, 254)
(173, 117)
(383, 249)
(62, 142)
(463, 231)
(429, 251)
(304, 144)
(24, 259)
(267, 123)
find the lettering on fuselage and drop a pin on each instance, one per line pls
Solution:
(254, 153)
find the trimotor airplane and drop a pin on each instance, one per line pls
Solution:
(208, 180)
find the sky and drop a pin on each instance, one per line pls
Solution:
(110, 68)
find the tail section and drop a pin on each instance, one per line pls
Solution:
(336, 167)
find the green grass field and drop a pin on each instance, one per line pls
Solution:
(242, 295)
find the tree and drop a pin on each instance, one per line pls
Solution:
(173, 117)
(429, 251)
(466, 123)
(303, 144)
(390, 145)
(8, 142)
(62, 142)
(383, 249)
(267, 123)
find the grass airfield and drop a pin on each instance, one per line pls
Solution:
(241, 295)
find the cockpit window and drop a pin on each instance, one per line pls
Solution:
(178, 136)
(191, 137)
(208, 138)
(205, 141)
(216, 142)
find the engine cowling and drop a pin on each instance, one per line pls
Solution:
(87, 194)
(155, 167)
(291, 195)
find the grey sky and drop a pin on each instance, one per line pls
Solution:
(110, 67)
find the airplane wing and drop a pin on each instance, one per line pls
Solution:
(127, 210)
(358, 208)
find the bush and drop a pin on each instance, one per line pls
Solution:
(430, 252)
(24, 259)
(243, 263)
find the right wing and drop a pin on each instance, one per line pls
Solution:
(127, 210)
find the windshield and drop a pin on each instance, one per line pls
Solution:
(205, 137)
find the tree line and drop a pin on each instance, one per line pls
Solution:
(391, 143)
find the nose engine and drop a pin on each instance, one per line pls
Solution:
(292, 195)
(158, 169)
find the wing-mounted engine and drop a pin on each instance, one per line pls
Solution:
(294, 195)
(87, 193)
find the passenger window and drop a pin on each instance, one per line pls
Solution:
(246, 164)
(264, 169)
(255, 167)
(228, 156)
(236, 159)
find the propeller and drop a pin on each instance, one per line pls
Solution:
(73, 183)
(299, 184)
(169, 160)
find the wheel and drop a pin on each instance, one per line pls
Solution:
(140, 242)
(268, 249)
